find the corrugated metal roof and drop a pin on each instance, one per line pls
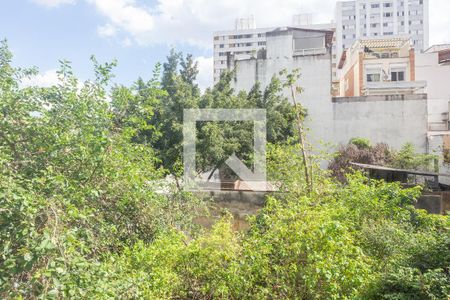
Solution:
(383, 168)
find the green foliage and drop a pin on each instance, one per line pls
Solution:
(359, 150)
(74, 185)
(407, 158)
(83, 214)
(361, 143)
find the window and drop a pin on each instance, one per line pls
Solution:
(373, 77)
(387, 4)
(312, 42)
(373, 25)
(398, 76)
(221, 45)
(261, 43)
(375, 5)
(385, 24)
(387, 14)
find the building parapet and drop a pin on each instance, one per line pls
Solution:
(312, 51)
(373, 98)
(394, 87)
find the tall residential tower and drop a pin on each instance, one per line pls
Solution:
(362, 19)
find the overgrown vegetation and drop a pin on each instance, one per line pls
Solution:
(82, 215)
(360, 150)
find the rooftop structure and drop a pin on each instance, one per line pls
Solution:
(380, 66)
(246, 40)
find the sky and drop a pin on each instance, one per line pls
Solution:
(140, 33)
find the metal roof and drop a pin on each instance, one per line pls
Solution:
(383, 168)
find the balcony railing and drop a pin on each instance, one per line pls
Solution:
(310, 51)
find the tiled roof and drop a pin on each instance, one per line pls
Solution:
(384, 43)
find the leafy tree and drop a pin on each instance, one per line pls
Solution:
(407, 158)
(291, 83)
(73, 184)
(83, 213)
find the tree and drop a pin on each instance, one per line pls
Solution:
(291, 83)
(74, 183)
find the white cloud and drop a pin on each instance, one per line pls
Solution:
(46, 79)
(106, 30)
(126, 42)
(205, 72)
(192, 22)
(53, 3)
(126, 15)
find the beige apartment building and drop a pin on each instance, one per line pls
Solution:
(383, 66)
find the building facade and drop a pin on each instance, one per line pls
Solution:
(392, 119)
(245, 41)
(383, 66)
(433, 66)
(362, 19)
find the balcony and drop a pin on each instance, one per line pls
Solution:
(310, 51)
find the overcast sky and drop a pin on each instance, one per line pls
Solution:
(140, 33)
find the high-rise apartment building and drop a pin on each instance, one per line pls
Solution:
(362, 19)
(246, 40)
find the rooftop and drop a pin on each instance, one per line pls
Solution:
(437, 48)
(383, 43)
(383, 168)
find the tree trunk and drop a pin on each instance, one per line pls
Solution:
(302, 144)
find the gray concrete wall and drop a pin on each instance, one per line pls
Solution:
(394, 120)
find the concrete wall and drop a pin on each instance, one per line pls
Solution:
(438, 88)
(315, 81)
(394, 120)
(436, 145)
